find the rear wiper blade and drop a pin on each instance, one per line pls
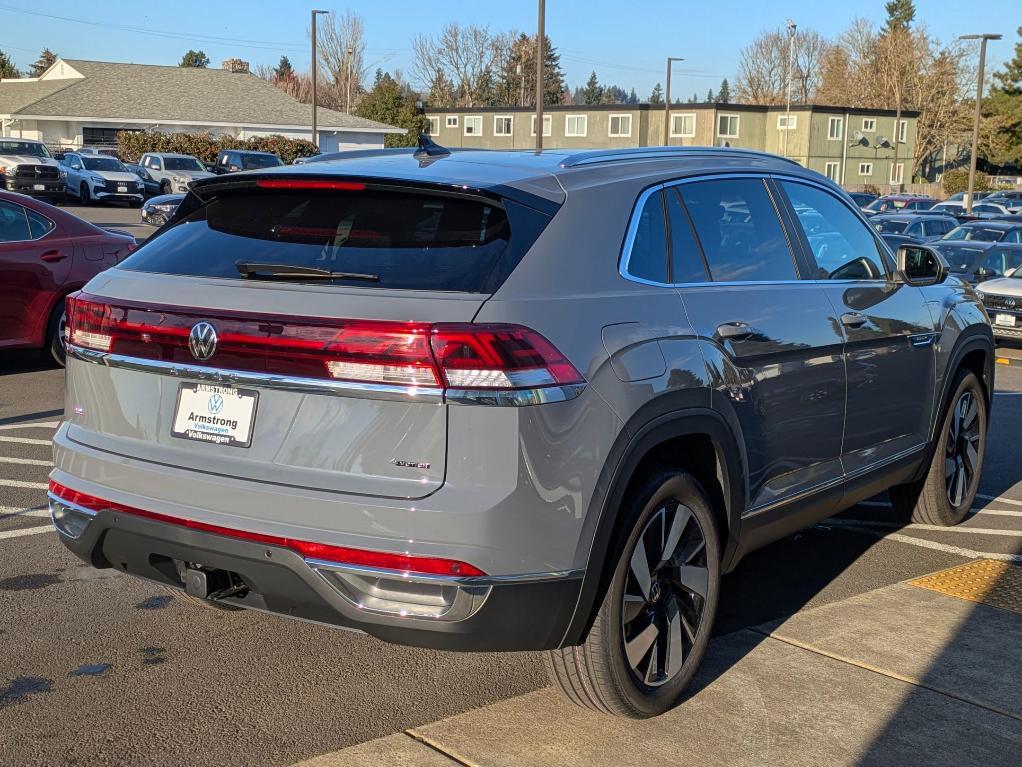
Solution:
(292, 271)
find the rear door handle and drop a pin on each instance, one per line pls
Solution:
(853, 319)
(52, 256)
(734, 331)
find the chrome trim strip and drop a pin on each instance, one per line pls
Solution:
(449, 580)
(831, 483)
(503, 398)
(261, 380)
(74, 506)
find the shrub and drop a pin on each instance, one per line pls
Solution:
(957, 180)
(132, 145)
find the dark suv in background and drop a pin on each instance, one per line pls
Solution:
(507, 401)
(234, 160)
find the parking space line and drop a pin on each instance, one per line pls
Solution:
(26, 441)
(24, 485)
(32, 425)
(999, 499)
(27, 531)
(40, 462)
(11, 511)
(925, 544)
(932, 528)
(984, 510)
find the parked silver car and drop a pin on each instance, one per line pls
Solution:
(101, 178)
(173, 172)
(507, 401)
(1002, 298)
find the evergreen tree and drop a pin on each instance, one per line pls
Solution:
(900, 14)
(1009, 81)
(724, 94)
(657, 96)
(694, 99)
(1002, 114)
(614, 94)
(710, 98)
(284, 70)
(7, 68)
(46, 58)
(391, 102)
(197, 59)
(592, 93)
(633, 97)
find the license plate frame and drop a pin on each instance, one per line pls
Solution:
(229, 421)
(1005, 320)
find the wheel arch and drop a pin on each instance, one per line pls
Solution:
(656, 437)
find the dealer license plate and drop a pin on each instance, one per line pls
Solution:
(39, 187)
(222, 415)
(1006, 320)
(122, 189)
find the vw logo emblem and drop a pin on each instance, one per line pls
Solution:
(202, 340)
(216, 404)
(1009, 302)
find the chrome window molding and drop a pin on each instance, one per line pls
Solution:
(430, 395)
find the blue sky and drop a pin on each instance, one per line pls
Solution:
(625, 42)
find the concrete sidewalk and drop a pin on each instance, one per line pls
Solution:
(901, 675)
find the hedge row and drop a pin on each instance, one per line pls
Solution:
(132, 145)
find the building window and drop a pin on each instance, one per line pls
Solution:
(548, 125)
(865, 169)
(433, 128)
(683, 126)
(502, 125)
(902, 131)
(832, 170)
(620, 126)
(898, 173)
(473, 125)
(835, 128)
(787, 122)
(452, 121)
(575, 125)
(727, 126)
(869, 125)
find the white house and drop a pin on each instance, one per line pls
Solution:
(76, 103)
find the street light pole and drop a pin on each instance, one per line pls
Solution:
(347, 103)
(540, 55)
(791, 61)
(667, 99)
(979, 102)
(314, 136)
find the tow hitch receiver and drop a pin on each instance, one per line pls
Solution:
(206, 583)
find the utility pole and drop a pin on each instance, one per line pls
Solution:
(540, 56)
(315, 138)
(347, 103)
(791, 61)
(979, 102)
(667, 100)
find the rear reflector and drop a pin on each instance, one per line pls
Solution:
(342, 555)
(412, 355)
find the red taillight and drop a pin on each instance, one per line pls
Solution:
(404, 562)
(412, 355)
(288, 183)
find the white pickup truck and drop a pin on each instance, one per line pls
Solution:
(26, 166)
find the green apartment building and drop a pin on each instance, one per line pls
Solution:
(854, 147)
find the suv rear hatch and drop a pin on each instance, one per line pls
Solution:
(304, 332)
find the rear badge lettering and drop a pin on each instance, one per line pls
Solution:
(409, 464)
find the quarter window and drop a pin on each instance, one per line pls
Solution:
(38, 225)
(502, 125)
(13, 223)
(843, 246)
(835, 128)
(738, 228)
(647, 259)
(683, 126)
(620, 126)
(474, 125)
(575, 125)
(727, 126)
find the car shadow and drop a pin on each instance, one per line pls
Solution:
(28, 361)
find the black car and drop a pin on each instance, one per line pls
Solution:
(976, 261)
(914, 227)
(987, 231)
(233, 160)
(158, 210)
(862, 199)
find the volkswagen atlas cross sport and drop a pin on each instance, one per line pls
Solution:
(511, 401)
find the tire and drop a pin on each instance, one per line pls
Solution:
(55, 333)
(945, 495)
(136, 204)
(83, 194)
(626, 665)
(211, 604)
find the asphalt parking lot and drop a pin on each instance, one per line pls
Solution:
(112, 215)
(141, 677)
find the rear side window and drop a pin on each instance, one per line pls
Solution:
(686, 258)
(648, 257)
(393, 239)
(739, 231)
(13, 223)
(38, 225)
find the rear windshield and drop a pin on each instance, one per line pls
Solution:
(891, 227)
(182, 163)
(254, 161)
(403, 240)
(974, 233)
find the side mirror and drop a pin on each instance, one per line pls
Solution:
(921, 265)
(983, 273)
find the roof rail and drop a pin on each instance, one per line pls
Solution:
(596, 156)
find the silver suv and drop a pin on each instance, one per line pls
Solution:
(507, 401)
(173, 172)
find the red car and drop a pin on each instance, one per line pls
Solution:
(46, 253)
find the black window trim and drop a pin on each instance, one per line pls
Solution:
(797, 257)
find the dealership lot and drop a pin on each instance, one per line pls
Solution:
(144, 677)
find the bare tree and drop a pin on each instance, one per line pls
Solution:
(763, 68)
(464, 56)
(341, 48)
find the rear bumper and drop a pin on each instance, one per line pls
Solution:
(490, 614)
